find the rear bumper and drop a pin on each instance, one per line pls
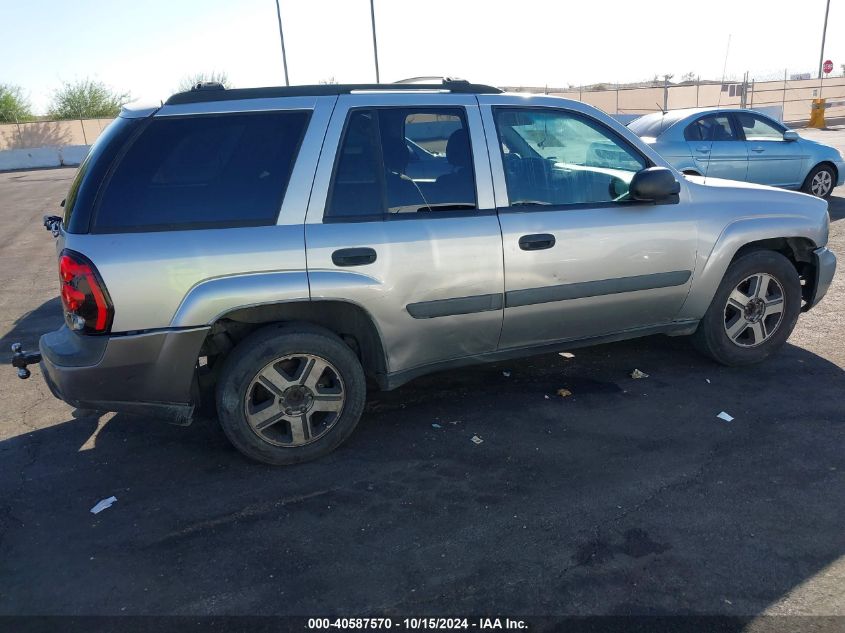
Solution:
(825, 267)
(147, 374)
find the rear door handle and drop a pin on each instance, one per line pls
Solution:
(536, 242)
(703, 150)
(353, 257)
(758, 149)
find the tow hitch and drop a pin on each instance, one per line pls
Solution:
(20, 359)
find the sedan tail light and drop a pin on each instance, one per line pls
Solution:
(87, 305)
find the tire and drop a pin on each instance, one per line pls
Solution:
(820, 181)
(290, 394)
(737, 328)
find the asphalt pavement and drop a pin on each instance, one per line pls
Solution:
(629, 497)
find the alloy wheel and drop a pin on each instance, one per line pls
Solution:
(822, 183)
(754, 310)
(294, 400)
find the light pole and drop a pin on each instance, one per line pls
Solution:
(282, 39)
(375, 46)
(824, 34)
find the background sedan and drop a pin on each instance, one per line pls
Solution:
(742, 145)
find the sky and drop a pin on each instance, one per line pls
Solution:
(146, 48)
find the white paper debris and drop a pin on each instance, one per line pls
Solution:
(567, 354)
(638, 374)
(708, 380)
(102, 505)
(436, 426)
(724, 416)
(476, 439)
(506, 374)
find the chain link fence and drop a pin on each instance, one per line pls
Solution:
(789, 99)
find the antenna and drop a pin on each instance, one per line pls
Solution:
(663, 119)
(718, 105)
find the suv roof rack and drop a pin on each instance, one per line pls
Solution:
(217, 92)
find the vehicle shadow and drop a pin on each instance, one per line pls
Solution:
(836, 208)
(28, 328)
(593, 503)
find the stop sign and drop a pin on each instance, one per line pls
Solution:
(828, 67)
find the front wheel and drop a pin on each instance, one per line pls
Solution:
(820, 181)
(290, 394)
(753, 311)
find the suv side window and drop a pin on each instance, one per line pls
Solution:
(402, 160)
(204, 171)
(758, 129)
(555, 157)
(710, 128)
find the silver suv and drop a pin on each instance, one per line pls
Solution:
(274, 250)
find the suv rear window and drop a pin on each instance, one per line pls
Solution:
(204, 171)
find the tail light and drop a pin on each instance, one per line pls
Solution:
(88, 307)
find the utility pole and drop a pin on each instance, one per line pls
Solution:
(375, 46)
(282, 40)
(824, 35)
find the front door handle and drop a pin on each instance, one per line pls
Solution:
(536, 242)
(703, 150)
(758, 149)
(353, 256)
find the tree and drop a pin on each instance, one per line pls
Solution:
(690, 77)
(14, 106)
(189, 81)
(86, 99)
(328, 82)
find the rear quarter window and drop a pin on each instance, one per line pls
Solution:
(208, 171)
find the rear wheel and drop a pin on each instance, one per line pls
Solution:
(753, 311)
(289, 394)
(820, 181)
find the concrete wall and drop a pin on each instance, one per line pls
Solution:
(47, 143)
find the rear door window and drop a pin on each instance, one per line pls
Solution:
(402, 160)
(203, 172)
(710, 128)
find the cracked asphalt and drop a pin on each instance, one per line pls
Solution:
(629, 497)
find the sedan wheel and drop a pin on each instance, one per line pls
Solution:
(822, 184)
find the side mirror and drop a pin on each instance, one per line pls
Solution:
(654, 184)
(790, 135)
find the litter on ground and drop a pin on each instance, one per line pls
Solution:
(724, 416)
(564, 393)
(547, 397)
(476, 439)
(638, 374)
(708, 380)
(102, 505)
(506, 374)
(567, 354)
(436, 426)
